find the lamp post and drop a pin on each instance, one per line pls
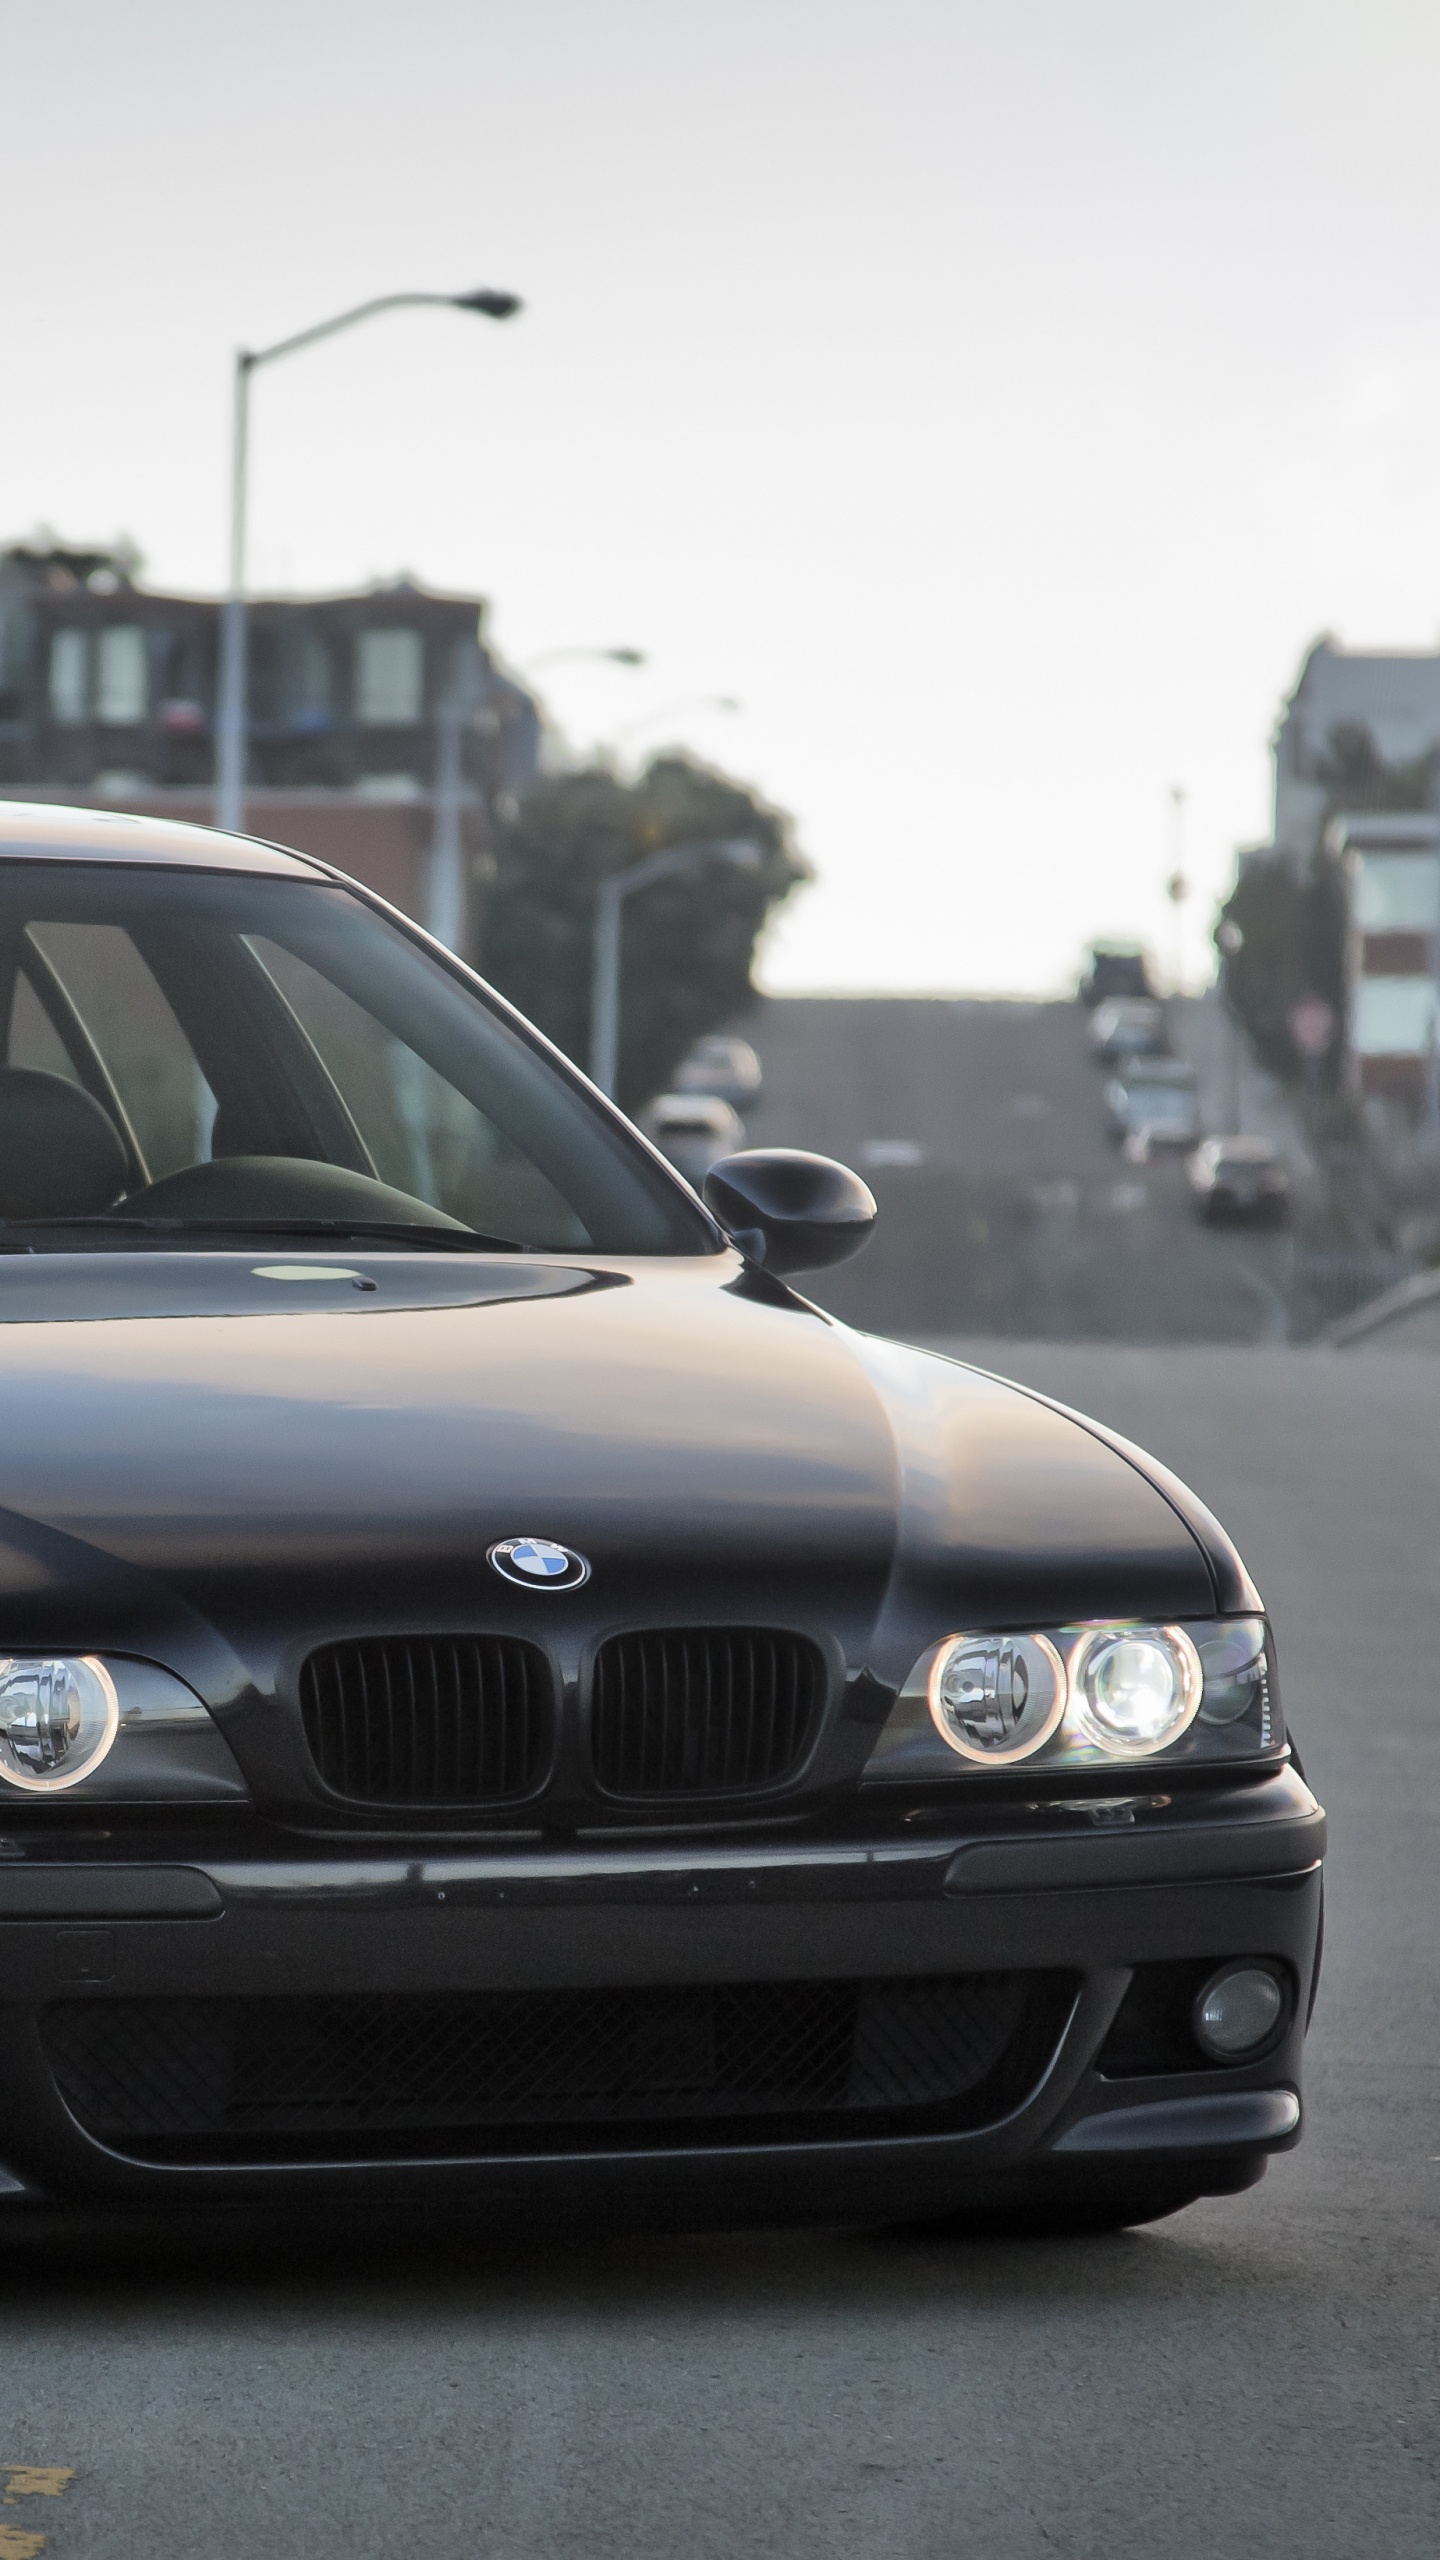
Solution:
(739, 851)
(597, 657)
(672, 711)
(232, 722)
(465, 695)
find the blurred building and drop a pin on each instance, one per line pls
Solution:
(1360, 735)
(108, 693)
(1357, 787)
(1392, 866)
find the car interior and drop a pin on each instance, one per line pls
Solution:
(202, 1051)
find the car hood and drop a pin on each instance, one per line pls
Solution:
(221, 1469)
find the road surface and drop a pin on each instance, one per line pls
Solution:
(1004, 1205)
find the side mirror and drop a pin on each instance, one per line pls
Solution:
(790, 1211)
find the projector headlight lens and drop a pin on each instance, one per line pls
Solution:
(1136, 1688)
(997, 1698)
(58, 1717)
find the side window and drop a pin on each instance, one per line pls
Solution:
(154, 1068)
(424, 1136)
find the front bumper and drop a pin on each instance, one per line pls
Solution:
(1077, 1895)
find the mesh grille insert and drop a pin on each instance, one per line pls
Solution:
(429, 1719)
(705, 1710)
(224, 2078)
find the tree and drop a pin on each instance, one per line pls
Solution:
(688, 942)
(1293, 927)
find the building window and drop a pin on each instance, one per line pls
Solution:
(1397, 892)
(1394, 1018)
(389, 678)
(121, 691)
(69, 678)
(12, 665)
(313, 684)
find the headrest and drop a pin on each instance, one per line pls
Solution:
(60, 1156)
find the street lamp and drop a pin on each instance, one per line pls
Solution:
(602, 657)
(739, 851)
(233, 722)
(672, 711)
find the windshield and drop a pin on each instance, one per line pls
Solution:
(194, 1052)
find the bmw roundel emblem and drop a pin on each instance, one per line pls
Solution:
(537, 1564)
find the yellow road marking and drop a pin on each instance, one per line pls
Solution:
(34, 2480)
(15, 2545)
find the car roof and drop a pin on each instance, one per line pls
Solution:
(42, 829)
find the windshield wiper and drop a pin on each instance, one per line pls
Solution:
(427, 1239)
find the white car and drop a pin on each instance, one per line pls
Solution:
(718, 1065)
(1156, 1096)
(1243, 1178)
(694, 1130)
(1128, 1027)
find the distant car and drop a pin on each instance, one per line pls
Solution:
(694, 1130)
(727, 1068)
(1115, 972)
(1128, 1027)
(1156, 1097)
(1239, 1178)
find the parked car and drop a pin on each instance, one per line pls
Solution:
(1243, 1178)
(1115, 970)
(1156, 1096)
(505, 1707)
(1128, 1027)
(722, 1066)
(694, 1130)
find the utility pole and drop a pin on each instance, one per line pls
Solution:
(470, 685)
(1177, 887)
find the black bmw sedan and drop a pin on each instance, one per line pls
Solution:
(504, 1704)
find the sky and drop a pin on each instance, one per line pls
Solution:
(995, 398)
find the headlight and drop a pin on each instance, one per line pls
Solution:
(1080, 1697)
(58, 1717)
(1136, 1688)
(996, 1698)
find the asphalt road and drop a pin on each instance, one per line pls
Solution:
(1004, 1206)
(1256, 2376)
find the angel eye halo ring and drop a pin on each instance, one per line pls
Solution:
(1136, 1689)
(59, 1715)
(997, 1698)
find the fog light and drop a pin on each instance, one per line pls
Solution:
(58, 1717)
(1238, 2011)
(997, 1698)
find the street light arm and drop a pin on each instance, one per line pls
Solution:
(611, 657)
(741, 852)
(494, 306)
